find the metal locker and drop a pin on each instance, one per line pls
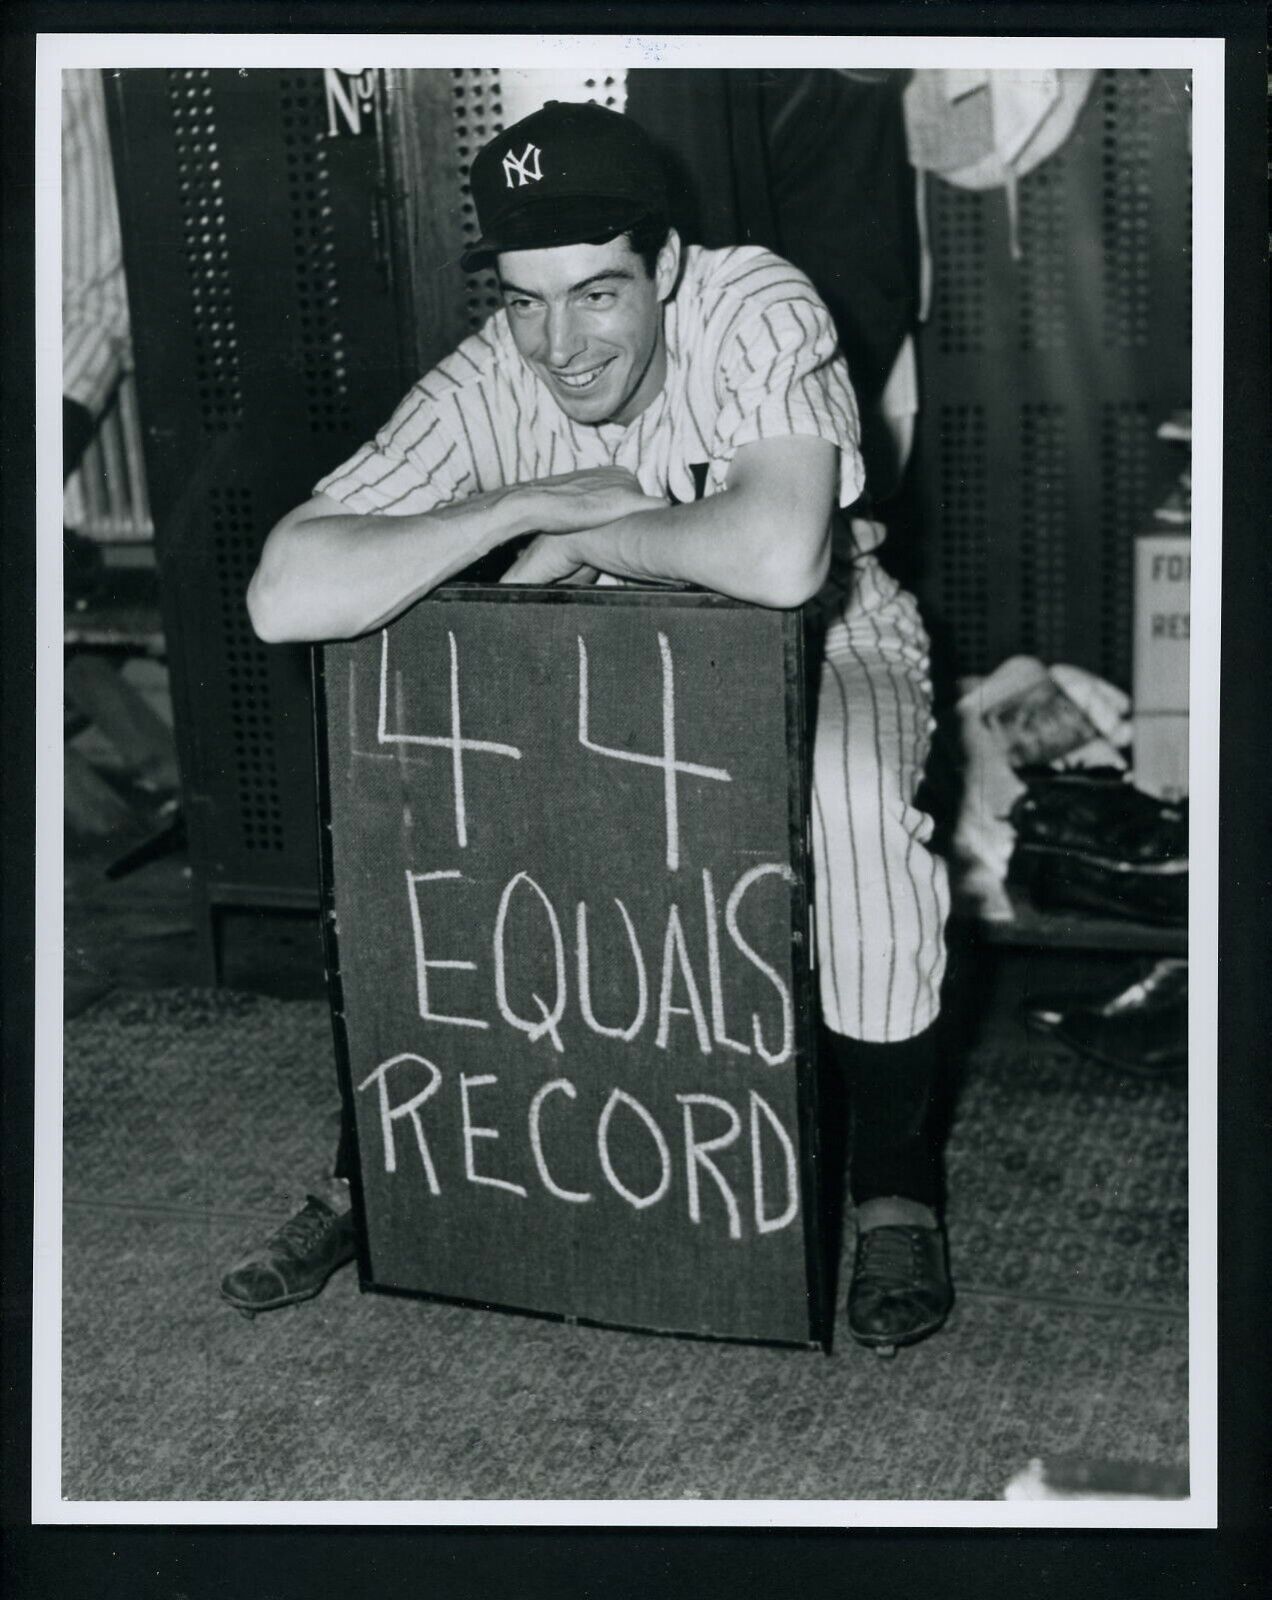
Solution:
(272, 334)
(1044, 379)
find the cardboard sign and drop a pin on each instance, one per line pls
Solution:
(569, 939)
(1163, 586)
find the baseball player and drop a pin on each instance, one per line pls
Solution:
(650, 410)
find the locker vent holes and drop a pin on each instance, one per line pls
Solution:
(321, 344)
(959, 303)
(1044, 529)
(1125, 435)
(964, 574)
(607, 90)
(1045, 254)
(1126, 201)
(235, 541)
(478, 112)
(206, 248)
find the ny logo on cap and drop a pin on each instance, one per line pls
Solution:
(521, 166)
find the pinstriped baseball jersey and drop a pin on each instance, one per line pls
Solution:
(751, 354)
(94, 301)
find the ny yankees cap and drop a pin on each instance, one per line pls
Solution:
(568, 174)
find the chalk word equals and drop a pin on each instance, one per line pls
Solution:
(677, 967)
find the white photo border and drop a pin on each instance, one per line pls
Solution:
(1205, 58)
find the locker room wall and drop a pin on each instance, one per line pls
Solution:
(1043, 381)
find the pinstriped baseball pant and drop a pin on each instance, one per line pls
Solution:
(881, 896)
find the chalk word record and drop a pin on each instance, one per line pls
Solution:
(568, 933)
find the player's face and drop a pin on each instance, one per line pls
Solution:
(588, 319)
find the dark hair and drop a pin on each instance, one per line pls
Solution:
(646, 236)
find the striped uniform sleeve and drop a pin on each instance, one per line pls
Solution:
(415, 462)
(780, 373)
(440, 444)
(95, 328)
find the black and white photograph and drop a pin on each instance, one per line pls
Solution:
(626, 922)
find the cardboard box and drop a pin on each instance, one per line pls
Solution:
(539, 1153)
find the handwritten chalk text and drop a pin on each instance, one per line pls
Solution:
(667, 761)
(454, 741)
(519, 961)
(632, 1153)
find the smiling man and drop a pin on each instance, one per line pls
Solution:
(595, 340)
(653, 411)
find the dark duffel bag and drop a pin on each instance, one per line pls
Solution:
(1093, 841)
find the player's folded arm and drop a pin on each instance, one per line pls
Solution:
(782, 491)
(764, 538)
(328, 573)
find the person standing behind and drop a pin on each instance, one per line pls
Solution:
(95, 325)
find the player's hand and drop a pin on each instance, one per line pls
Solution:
(573, 501)
(551, 558)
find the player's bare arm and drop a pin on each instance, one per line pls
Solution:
(765, 539)
(326, 573)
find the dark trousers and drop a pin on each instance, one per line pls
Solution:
(891, 1092)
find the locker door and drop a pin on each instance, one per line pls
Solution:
(271, 337)
(1044, 379)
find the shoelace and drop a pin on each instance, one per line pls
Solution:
(304, 1232)
(889, 1256)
